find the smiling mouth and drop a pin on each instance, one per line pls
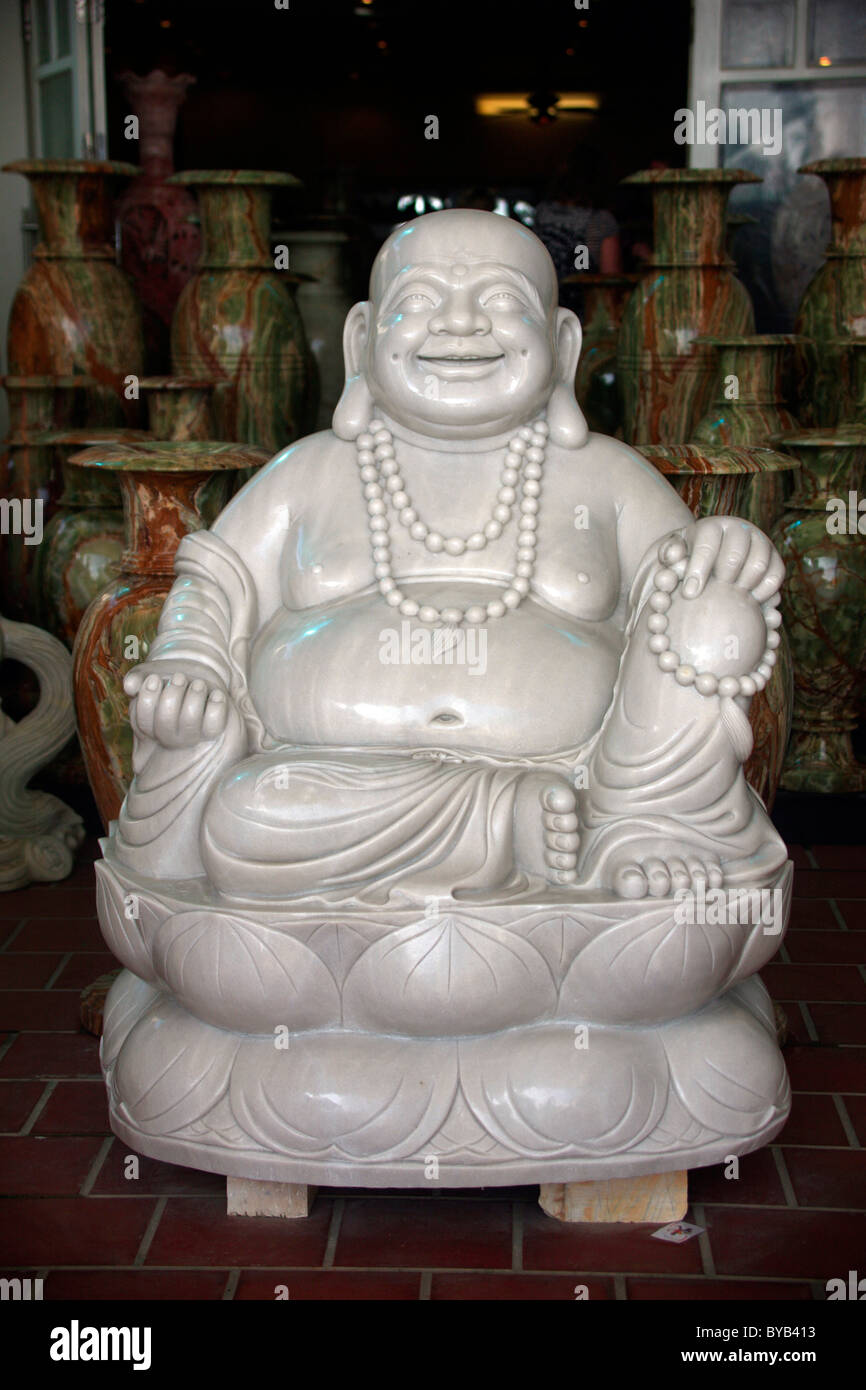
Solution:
(462, 357)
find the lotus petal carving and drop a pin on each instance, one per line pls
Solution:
(236, 973)
(448, 975)
(355, 1095)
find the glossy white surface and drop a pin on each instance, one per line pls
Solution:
(422, 864)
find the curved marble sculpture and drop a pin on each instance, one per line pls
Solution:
(438, 774)
(38, 834)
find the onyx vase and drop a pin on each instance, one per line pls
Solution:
(29, 475)
(237, 321)
(824, 606)
(834, 304)
(748, 407)
(75, 312)
(688, 291)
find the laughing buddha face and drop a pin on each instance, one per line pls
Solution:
(462, 334)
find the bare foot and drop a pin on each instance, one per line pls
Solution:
(546, 839)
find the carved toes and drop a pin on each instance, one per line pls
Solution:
(658, 877)
(561, 840)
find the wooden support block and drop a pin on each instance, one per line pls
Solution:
(248, 1197)
(659, 1198)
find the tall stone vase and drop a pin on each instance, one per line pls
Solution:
(714, 479)
(824, 607)
(169, 488)
(75, 312)
(237, 321)
(834, 304)
(687, 291)
(29, 477)
(595, 383)
(319, 253)
(748, 407)
(160, 237)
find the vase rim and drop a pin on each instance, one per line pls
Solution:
(845, 340)
(822, 438)
(842, 165)
(236, 178)
(177, 383)
(753, 340)
(172, 456)
(698, 176)
(98, 435)
(720, 458)
(113, 167)
(36, 383)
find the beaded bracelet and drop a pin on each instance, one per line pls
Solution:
(665, 580)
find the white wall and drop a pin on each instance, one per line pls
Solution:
(14, 196)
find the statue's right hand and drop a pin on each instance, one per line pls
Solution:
(176, 711)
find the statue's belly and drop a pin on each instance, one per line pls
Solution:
(534, 682)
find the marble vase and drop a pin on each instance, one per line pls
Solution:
(824, 606)
(834, 304)
(38, 833)
(595, 384)
(752, 366)
(169, 488)
(178, 407)
(83, 541)
(687, 291)
(29, 476)
(160, 237)
(717, 479)
(319, 253)
(75, 311)
(237, 321)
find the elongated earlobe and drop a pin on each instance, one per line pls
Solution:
(355, 406)
(354, 409)
(565, 419)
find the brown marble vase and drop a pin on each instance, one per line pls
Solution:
(714, 480)
(28, 475)
(75, 312)
(83, 541)
(237, 322)
(748, 407)
(160, 236)
(169, 487)
(595, 383)
(824, 606)
(178, 407)
(834, 305)
(687, 291)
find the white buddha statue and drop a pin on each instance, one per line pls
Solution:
(444, 686)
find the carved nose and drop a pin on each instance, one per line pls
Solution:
(447, 716)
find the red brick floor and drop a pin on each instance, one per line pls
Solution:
(795, 1217)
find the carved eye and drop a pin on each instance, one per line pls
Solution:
(418, 300)
(502, 299)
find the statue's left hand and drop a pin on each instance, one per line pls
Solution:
(732, 550)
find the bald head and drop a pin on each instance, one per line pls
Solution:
(464, 237)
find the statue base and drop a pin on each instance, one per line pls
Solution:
(574, 1038)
